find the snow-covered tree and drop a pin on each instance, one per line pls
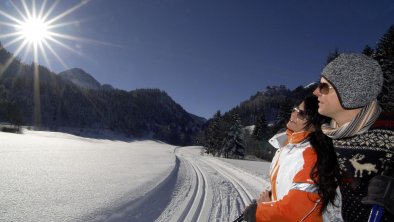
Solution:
(214, 135)
(260, 131)
(234, 145)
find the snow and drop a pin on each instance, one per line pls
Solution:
(250, 129)
(47, 176)
(59, 177)
(309, 85)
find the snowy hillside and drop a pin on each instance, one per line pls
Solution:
(80, 78)
(59, 177)
(65, 103)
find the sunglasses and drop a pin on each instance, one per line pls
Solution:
(300, 113)
(324, 88)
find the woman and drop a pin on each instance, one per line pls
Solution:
(303, 171)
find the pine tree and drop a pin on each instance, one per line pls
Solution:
(234, 143)
(385, 57)
(214, 135)
(9, 113)
(332, 55)
(261, 134)
(368, 51)
(284, 113)
(261, 128)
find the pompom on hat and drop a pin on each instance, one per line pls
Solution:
(357, 79)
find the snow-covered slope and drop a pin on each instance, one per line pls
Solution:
(49, 176)
(80, 78)
(59, 177)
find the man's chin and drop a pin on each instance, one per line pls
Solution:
(321, 111)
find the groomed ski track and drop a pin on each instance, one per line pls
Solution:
(200, 188)
(208, 189)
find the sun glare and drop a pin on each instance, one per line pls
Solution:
(34, 30)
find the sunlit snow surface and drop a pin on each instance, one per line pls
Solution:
(47, 176)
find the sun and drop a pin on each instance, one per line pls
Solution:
(35, 30)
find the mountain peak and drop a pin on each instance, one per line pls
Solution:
(80, 78)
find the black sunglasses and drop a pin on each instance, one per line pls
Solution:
(300, 113)
(324, 88)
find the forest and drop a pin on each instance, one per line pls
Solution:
(246, 129)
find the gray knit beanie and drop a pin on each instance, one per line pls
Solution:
(357, 79)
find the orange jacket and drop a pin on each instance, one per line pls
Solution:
(294, 194)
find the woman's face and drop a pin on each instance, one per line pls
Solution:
(297, 119)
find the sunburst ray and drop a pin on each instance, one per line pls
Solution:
(33, 28)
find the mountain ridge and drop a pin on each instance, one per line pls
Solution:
(56, 103)
(80, 78)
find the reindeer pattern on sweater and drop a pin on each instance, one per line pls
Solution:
(360, 158)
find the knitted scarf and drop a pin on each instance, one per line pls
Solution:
(360, 124)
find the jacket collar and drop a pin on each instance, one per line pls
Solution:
(296, 137)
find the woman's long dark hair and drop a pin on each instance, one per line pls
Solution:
(326, 170)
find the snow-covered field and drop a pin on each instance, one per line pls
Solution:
(47, 176)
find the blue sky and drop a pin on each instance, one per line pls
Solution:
(210, 55)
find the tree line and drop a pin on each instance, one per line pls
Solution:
(245, 129)
(54, 103)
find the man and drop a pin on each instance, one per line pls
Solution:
(362, 134)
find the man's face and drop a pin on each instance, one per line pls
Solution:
(328, 101)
